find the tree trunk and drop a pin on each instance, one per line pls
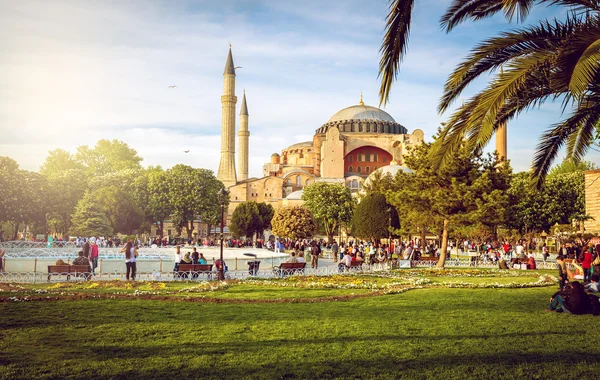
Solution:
(444, 248)
(15, 231)
(161, 229)
(423, 242)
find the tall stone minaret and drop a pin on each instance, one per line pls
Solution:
(226, 172)
(243, 135)
(501, 137)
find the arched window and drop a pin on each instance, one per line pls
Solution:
(298, 181)
(350, 169)
(375, 157)
(350, 158)
(367, 169)
(358, 169)
(307, 182)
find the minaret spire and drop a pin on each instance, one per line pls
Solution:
(226, 173)
(361, 101)
(243, 137)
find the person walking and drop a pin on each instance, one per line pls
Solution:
(93, 255)
(335, 249)
(586, 264)
(314, 255)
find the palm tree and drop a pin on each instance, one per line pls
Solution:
(550, 61)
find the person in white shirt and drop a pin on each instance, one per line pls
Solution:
(346, 261)
(177, 258)
(130, 259)
(519, 250)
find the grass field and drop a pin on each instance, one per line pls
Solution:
(343, 327)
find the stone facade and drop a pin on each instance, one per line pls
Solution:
(592, 200)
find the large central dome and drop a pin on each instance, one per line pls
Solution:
(363, 119)
(361, 112)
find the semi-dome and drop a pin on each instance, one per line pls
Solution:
(361, 112)
(391, 169)
(295, 196)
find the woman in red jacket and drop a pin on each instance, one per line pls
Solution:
(586, 264)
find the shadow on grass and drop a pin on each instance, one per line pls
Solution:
(497, 366)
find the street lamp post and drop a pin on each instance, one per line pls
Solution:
(389, 211)
(222, 196)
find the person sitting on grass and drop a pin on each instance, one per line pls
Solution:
(572, 300)
(593, 285)
(292, 259)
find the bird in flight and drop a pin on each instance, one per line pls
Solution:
(186, 151)
(172, 86)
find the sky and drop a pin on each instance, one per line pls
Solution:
(73, 72)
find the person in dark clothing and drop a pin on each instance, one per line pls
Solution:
(572, 299)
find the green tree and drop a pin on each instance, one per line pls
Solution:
(107, 157)
(59, 161)
(245, 219)
(152, 194)
(89, 220)
(65, 189)
(193, 193)
(371, 219)
(467, 193)
(266, 212)
(569, 166)
(294, 222)
(330, 204)
(120, 210)
(550, 61)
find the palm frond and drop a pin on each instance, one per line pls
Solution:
(394, 45)
(553, 139)
(461, 10)
(492, 53)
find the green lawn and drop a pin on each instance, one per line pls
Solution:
(422, 333)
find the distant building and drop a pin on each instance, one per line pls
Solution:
(592, 200)
(352, 144)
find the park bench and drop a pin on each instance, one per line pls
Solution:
(193, 270)
(356, 265)
(68, 270)
(289, 268)
(428, 258)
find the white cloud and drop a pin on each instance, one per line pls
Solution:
(77, 71)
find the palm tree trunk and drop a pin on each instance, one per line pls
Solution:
(442, 260)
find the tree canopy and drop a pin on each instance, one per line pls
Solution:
(330, 204)
(294, 222)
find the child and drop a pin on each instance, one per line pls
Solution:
(562, 270)
(593, 286)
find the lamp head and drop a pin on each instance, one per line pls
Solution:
(222, 195)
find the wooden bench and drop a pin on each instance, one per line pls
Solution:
(68, 270)
(355, 265)
(289, 268)
(193, 270)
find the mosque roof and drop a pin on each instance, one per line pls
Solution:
(361, 112)
(300, 145)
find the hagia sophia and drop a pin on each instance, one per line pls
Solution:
(353, 143)
(347, 148)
